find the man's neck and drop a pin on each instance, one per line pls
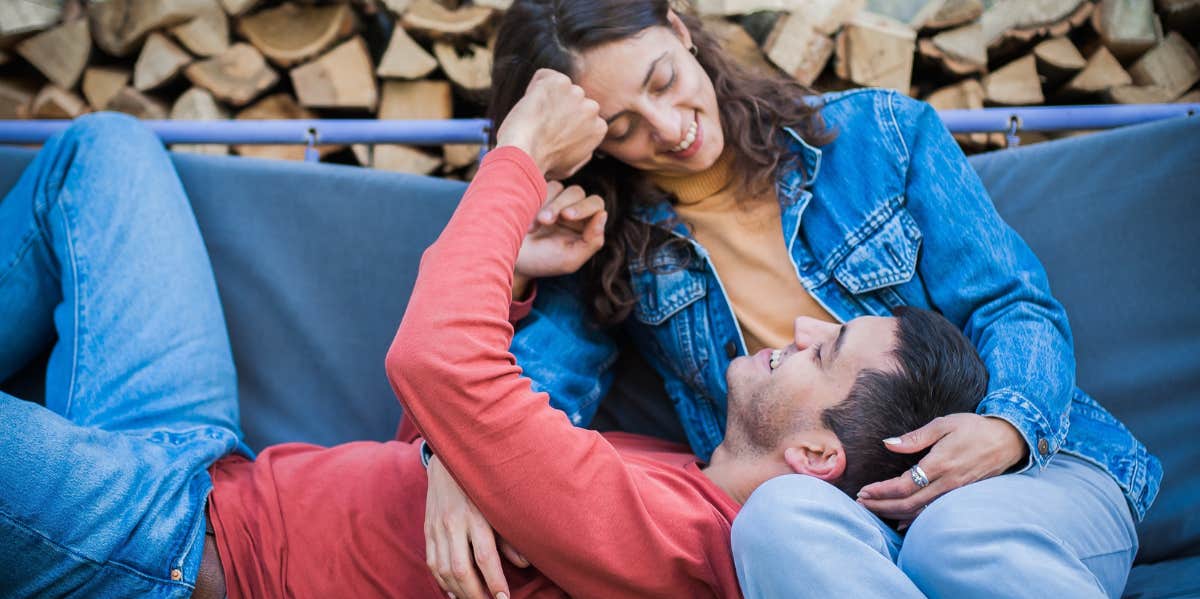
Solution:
(739, 473)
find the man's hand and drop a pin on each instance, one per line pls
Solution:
(460, 544)
(555, 124)
(966, 448)
(569, 229)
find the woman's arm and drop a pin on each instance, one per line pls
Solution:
(983, 277)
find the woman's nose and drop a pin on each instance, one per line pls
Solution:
(665, 126)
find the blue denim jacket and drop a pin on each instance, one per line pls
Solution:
(888, 214)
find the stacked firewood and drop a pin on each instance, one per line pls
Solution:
(430, 59)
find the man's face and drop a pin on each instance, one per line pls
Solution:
(775, 390)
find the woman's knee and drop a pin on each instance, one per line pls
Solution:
(112, 135)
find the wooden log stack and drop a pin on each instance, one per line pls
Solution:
(431, 59)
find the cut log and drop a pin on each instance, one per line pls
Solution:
(1058, 60)
(1139, 94)
(198, 104)
(955, 13)
(827, 16)
(1015, 84)
(1102, 72)
(460, 155)
(875, 51)
(278, 106)
(343, 78)
(54, 102)
(728, 8)
(362, 154)
(499, 5)
(237, 75)
(290, 33)
(19, 16)
(235, 8)
(736, 42)
(398, 7)
(16, 98)
(119, 26)
(432, 19)
(134, 102)
(60, 53)
(1126, 27)
(799, 49)
(416, 100)
(1192, 97)
(160, 60)
(1025, 20)
(404, 159)
(207, 34)
(405, 59)
(100, 84)
(1172, 65)
(959, 51)
(471, 70)
(914, 13)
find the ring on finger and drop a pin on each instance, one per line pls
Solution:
(918, 476)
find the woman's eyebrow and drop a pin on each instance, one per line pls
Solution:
(645, 82)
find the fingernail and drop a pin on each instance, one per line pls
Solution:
(864, 495)
(570, 212)
(892, 440)
(501, 596)
(545, 215)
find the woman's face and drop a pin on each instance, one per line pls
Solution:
(658, 101)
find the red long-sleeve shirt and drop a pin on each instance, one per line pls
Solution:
(597, 515)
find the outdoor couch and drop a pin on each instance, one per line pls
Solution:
(315, 264)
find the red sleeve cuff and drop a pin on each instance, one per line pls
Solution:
(518, 310)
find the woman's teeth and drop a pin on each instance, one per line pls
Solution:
(687, 140)
(776, 354)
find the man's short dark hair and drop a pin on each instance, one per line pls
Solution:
(939, 373)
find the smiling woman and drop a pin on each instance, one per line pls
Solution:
(721, 206)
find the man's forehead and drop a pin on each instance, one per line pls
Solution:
(868, 341)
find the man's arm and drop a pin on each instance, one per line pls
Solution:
(558, 493)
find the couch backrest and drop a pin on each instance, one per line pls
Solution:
(315, 264)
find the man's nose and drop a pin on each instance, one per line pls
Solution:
(808, 331)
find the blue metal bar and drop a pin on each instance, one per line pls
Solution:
(1060, 118)
(435, 132)
(300, 131)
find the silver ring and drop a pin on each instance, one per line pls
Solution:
(919, 477)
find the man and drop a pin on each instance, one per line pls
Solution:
(106, 490)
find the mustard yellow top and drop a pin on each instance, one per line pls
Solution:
(747, 248)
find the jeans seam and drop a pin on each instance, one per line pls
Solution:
(26, 244)
(69, 551)
(75, 340)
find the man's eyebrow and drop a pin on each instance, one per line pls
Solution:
(837, 343)
(645, 82)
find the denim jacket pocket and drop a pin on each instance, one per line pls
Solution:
(887, 254)
(662, 294)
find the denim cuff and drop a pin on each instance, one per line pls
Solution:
(1040, 437)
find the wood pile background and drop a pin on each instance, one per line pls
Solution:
(430, 59)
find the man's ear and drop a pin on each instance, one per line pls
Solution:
(681, 30)
(819, 454)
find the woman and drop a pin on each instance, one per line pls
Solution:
(729, 207)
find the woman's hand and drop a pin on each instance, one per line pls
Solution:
(460, 544)
(568, 230)
(966, 448)
(555, 124)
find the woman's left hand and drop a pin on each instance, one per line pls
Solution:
(965, 448)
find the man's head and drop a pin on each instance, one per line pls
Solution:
(824, 404)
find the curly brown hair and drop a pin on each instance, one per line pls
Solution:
(753, 108)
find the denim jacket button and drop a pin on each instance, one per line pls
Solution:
(731, 349)
(176, 574)
(1043, 447)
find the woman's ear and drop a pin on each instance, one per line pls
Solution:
(681, 30)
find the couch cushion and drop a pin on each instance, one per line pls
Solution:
(1114, 218)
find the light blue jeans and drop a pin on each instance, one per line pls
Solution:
(1066, 532)
(102, 491)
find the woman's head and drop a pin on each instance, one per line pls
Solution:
(633, 57)
(654, 72)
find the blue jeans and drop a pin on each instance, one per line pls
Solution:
(102, 491)
(1066, 532)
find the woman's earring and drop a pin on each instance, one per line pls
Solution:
(694, 50)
